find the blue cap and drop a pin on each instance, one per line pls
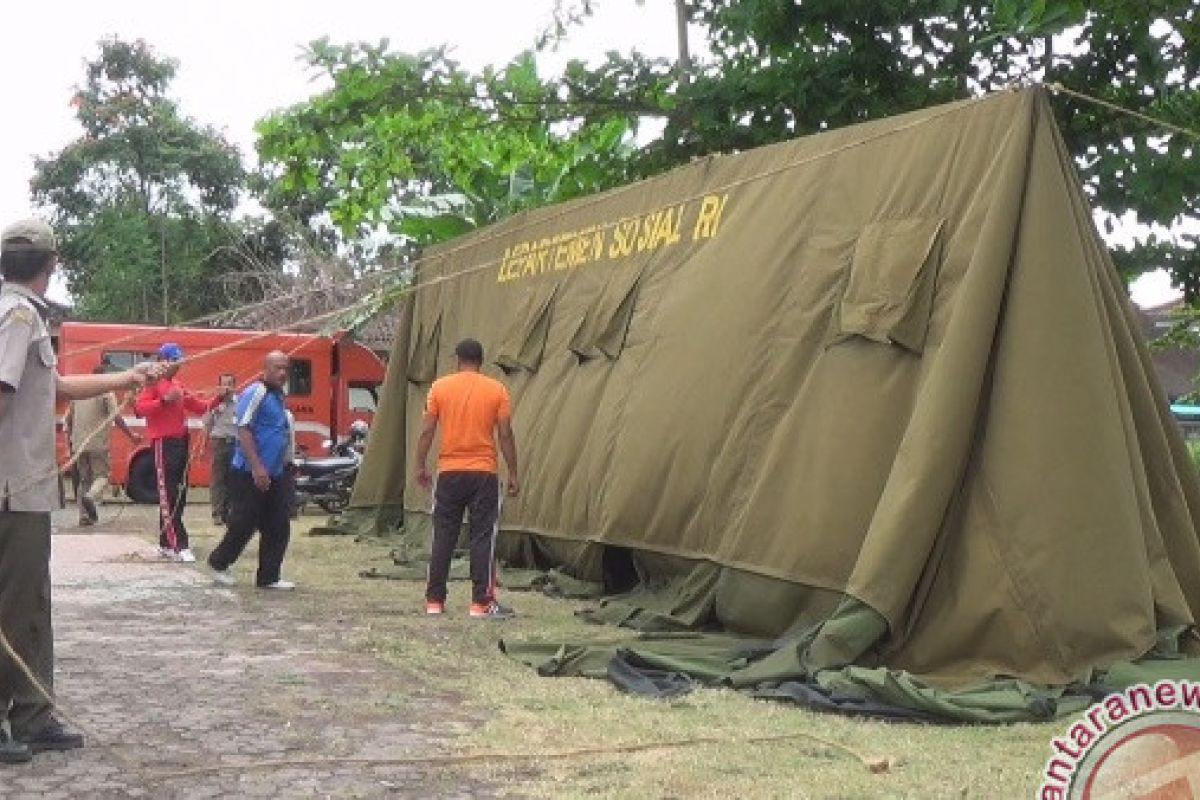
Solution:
(169, 351)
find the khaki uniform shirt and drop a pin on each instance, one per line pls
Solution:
(28, 469)
(88, 415)
(224, 419)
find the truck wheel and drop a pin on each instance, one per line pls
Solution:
(142, 485)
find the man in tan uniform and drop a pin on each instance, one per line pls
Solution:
(29, 384)
(89, 425)
(221, 426)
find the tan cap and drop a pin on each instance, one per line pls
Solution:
(28, 234)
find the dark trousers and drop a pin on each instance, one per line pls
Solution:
(250, 510)
(479, 494)
(25, 619)
(170, 469)
(218, 492)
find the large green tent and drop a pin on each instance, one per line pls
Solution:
(872, 402)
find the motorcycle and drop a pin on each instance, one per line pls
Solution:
(329, 480)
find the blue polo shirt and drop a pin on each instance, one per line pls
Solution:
(262, 410)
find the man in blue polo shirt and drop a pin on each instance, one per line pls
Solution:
(259, 497)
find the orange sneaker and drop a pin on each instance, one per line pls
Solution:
(434, 608)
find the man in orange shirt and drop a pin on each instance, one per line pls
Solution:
(474, 411)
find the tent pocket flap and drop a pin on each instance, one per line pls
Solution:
(423, 352)
(603, 328)
(889, 295)
(525, 341)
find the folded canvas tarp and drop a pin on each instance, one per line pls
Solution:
(878, 390)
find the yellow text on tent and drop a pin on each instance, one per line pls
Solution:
(663, 227)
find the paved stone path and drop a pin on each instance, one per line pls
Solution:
(166, 671)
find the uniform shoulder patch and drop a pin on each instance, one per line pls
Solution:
(22, 314)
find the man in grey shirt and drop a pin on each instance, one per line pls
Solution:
(29, 385)
(221, 425)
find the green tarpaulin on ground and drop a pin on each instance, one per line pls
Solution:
(878, 390)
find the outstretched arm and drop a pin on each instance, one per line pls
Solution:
(80, 387)
(198, 404)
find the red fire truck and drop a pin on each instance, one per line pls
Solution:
(333, 381)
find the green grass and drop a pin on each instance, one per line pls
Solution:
(456, 657)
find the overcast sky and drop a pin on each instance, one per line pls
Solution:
(238, 58)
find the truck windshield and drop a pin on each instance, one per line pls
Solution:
(300, 378)
(117, 360)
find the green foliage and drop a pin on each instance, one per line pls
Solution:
(1193, 446)
(420, 147)
(145, 194)
(782, 68)
(416, 146)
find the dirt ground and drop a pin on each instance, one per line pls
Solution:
(167, 673)
(190, 690)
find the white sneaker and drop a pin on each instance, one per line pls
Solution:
(280, 586)
(222, 577)
(185, 555)
(168, 554)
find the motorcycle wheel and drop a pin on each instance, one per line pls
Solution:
(334, 505)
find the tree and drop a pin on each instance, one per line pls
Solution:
(421, 148)
(417, 146)
(828, 64)
(778, 69)
(143, 201)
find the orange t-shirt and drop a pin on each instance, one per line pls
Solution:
(467, 406)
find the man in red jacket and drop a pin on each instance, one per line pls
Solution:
(165, 405)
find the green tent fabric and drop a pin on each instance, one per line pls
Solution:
(880, 386)
(879, 692)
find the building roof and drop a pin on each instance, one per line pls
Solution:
(1177, 367)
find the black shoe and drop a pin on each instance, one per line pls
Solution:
(89, 505)
(52, 736)
(12, 751)
(491, 610)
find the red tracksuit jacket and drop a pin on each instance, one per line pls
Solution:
(166, 420)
